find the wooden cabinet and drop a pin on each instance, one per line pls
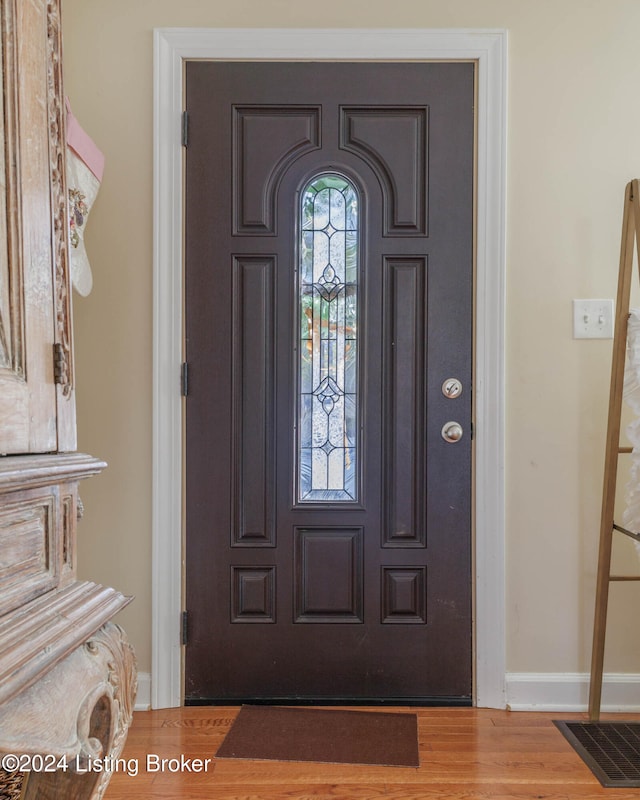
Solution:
(67, 674)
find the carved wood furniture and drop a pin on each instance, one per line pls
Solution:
(67, 674)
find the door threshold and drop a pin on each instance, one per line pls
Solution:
(440, 701)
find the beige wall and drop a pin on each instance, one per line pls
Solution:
(574, 141)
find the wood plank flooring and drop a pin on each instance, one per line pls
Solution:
(465, 754)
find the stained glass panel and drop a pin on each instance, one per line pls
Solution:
(328, 353)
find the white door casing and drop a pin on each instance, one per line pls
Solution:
(172, 47)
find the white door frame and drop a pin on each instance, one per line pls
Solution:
(172, 46)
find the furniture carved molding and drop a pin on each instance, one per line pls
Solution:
(77, 715)
(64, 365)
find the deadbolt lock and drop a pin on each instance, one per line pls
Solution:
(452, 431)
(452, 388)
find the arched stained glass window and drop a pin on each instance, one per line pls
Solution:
(328, 348)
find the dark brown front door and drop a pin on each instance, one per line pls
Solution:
(329, 258)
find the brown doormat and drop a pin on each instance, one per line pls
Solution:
(611, 750)
(338, 737)
(11, 785)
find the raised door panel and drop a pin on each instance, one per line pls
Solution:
(253, 402)
(29, 541)
(328, 575)
(267, 140)
(372, 134)
(404, 368)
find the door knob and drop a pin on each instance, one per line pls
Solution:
(452, 431)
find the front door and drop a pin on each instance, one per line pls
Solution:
(329, 264)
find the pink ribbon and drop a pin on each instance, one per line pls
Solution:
(82, 144)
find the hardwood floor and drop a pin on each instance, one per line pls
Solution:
(465, 754)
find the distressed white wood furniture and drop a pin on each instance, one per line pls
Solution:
(67, 673)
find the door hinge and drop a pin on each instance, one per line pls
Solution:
(184, 628)
(185, 129)
(184, 379)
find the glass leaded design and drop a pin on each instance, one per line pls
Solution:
(328, 353)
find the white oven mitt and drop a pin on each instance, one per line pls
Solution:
(85, 165)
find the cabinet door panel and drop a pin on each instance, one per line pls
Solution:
(34, 295)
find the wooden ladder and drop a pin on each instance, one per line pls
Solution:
(630, 232)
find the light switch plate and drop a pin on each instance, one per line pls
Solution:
(593, 319)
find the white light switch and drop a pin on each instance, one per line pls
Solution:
(593, 319)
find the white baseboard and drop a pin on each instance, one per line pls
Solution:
(143, 698)
(569, 691)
